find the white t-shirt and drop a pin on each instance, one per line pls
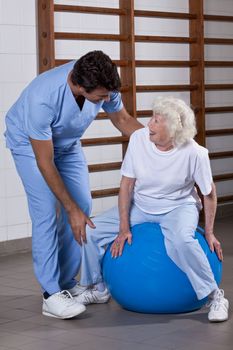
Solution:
(166, 180)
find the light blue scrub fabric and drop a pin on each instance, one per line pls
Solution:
(46, 110)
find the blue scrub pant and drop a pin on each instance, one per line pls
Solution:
(56, 254)
(178, 227)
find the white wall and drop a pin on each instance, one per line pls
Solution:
(18, 66)
(219, 98)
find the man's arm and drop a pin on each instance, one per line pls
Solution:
(44, 153)
(124, 122)
(210, 205)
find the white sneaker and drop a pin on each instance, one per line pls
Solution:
(93, 296)
(62, 305)
(218, 307)
(76, 290)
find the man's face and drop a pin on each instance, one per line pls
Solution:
(97, 95)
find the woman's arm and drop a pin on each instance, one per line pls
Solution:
(124, 203)
(43, 151)
(210, 205)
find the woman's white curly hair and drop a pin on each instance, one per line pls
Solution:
(179, 117)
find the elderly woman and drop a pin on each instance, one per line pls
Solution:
(159, 172)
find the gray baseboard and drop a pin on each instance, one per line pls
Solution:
(14, 246)
(23, 245)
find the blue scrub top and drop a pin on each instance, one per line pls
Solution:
(47, 110)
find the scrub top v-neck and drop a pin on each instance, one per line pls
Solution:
(47, 110)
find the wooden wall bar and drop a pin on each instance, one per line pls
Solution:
(46, 35)
(128, 64)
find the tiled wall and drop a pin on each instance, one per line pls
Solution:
(18, 66)
(18, 55)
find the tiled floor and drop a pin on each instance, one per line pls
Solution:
(108, 326)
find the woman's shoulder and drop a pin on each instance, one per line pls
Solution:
(195, 149)
(139, 134)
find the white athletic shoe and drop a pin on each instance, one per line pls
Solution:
(218, 307)
(76, 290)
(62, 305)
(93, 296)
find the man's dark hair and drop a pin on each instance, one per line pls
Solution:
(96, 69)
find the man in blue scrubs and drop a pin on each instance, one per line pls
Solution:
(43, 131)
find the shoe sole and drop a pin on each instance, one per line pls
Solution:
(217, 320)
(97, 302)
(45, 313)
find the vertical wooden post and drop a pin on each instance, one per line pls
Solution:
(197, 98)
(46, 34)
(127, 52)
(197, 73)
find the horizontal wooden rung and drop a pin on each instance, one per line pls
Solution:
(219, 132)
(223, 177)
(101, 116)
(220, 155)
(147, 88)
(223, 109)
(89, 9)
(218, 41)
(99, 141)
(89, 36)
(164, 39)
(145, 113)
(163, 63)
(93, 168)
(218, 18)
(219, 86)
(119, 63)
(218, 63)
(224, 199)
(160, 14)
(109, 192)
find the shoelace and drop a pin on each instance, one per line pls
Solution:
(89, 296)
(216, 303)
(65, 294)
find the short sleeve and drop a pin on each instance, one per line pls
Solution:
(127, 168)
(39, 120)
(203, 174)
(114, 105)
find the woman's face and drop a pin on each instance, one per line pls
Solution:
(159, 133)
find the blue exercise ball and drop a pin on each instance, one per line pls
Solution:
(144, 279)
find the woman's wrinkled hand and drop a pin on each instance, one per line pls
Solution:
(214, 245)
(118, 245)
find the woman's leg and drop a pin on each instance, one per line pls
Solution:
(178, 227)
(107, 228)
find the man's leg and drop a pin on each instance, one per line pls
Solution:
(73, 170)
(43, 211)
(42, 207)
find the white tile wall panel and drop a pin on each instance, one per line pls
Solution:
(219, 121)
(219, 143)
(221, 166)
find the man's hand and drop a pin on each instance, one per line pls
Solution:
(78, 221)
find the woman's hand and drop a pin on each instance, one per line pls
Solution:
(118, 245)
(214, 245)
(78, 221)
